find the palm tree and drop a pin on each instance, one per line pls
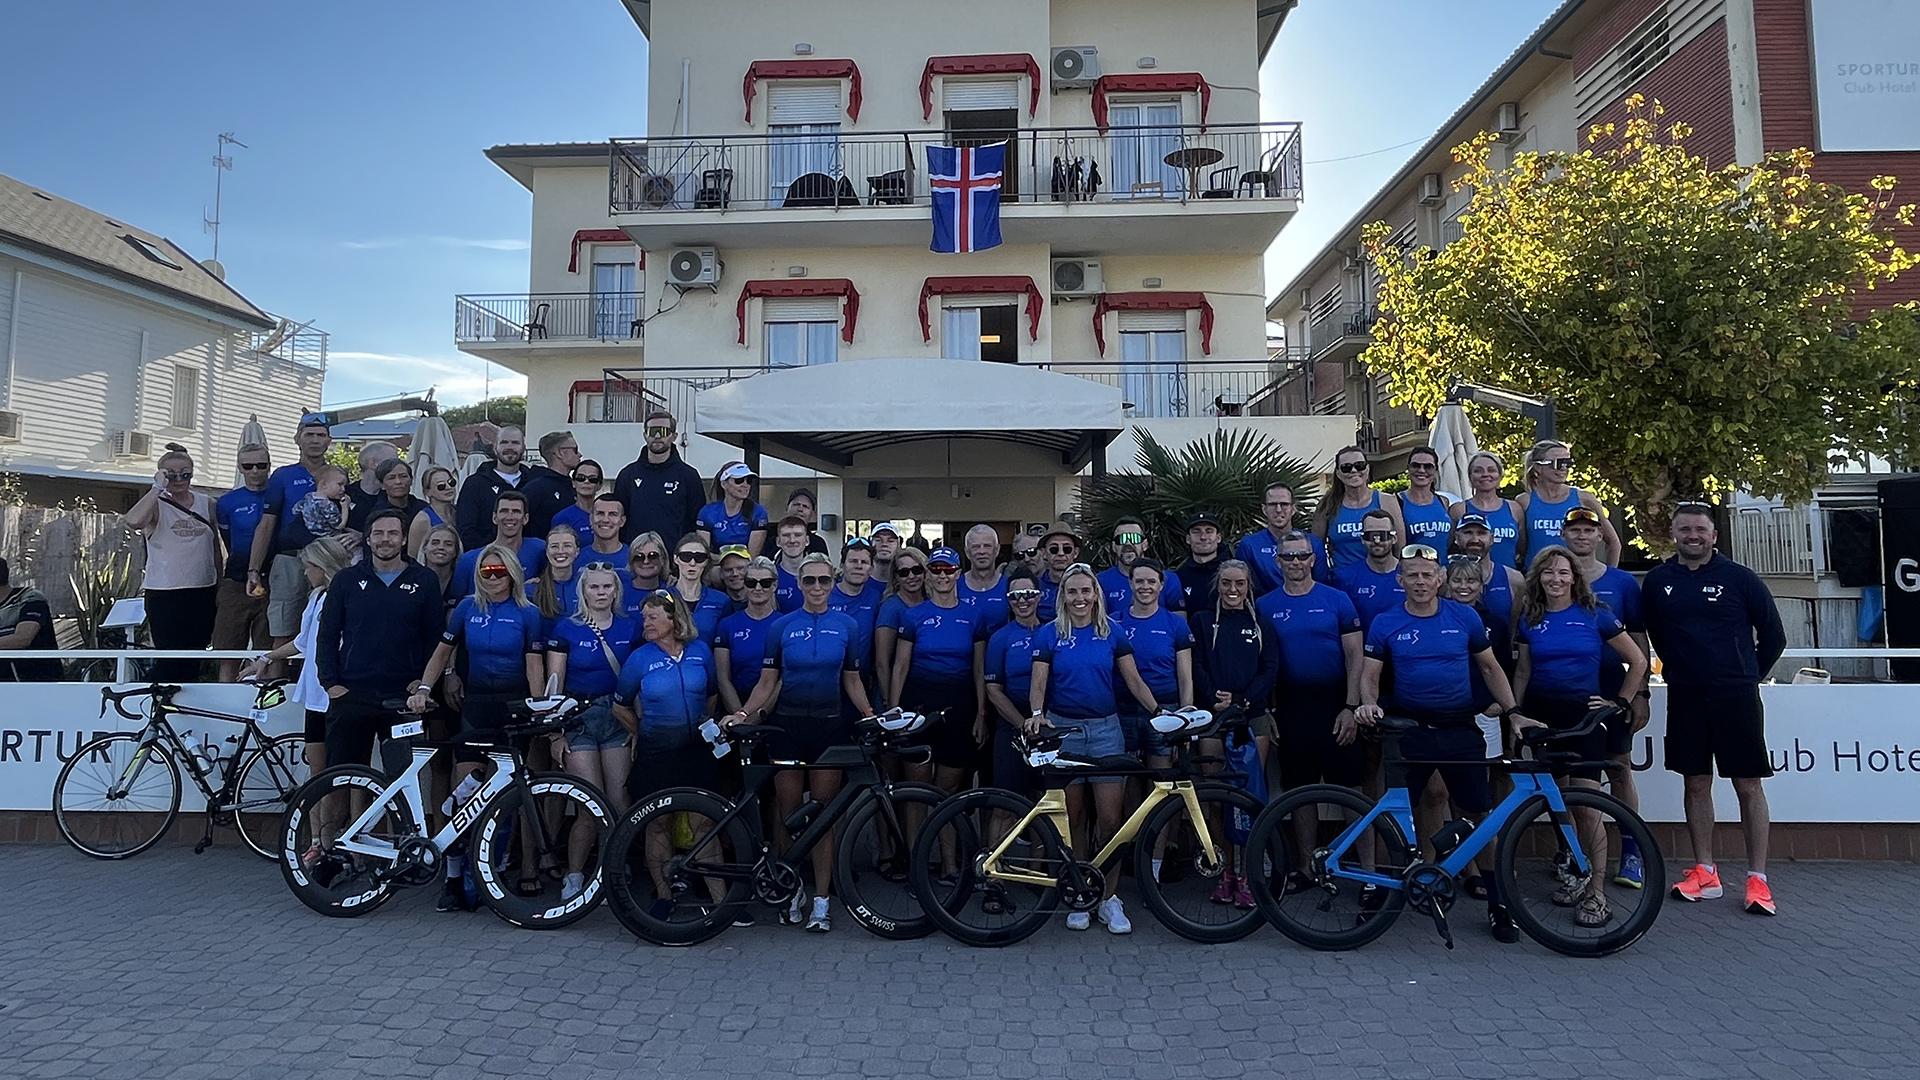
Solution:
(1225, 473)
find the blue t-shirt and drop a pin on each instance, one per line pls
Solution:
(1429, 660)
(991, 602)
(1429, 524)
(892, 614)
(728, 528)
(1620, 592)
(942, 641)
(533, 563)
(496, 639)
(1050, 594)
(1081, 680)
(1545, 520)
(1568, 649)
(576, 519)
(786, 590)
(1372, 592)
(1344, 546)
(864, 607)
(1309, 628)
(565, 593)
(236, 514)
(1117, 586)
(1010, 662)
(1497, 595)
(1157, 642)
(589, 673)
(285, 488)
(1261, 551)
(745, 639)
(669, 695)
(810, 652)
(713, 605)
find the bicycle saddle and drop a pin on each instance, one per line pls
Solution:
(1172, 721)
(266, 684)
(1394, 725)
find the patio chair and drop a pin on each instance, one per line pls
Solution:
(819, 189)
(1266, 179)
(716, 190)
(889, 188)
(1219, 181)
(537, 325)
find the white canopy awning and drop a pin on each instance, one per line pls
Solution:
(829, 413)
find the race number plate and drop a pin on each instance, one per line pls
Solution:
(409, 729)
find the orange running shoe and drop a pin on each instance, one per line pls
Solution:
(1699, 884)
(1759, 897)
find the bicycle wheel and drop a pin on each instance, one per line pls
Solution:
(968, 907)
(114, 798)
(865, 861)
(270, 775)
(1305, 892)
(651, 882)
(560, 804)
(1189, 905)
(1550, 907)
(333, 882)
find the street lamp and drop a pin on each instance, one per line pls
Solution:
(1539, 410)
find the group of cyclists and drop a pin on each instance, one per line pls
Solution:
(1474, 617)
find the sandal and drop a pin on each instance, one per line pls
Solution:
(1592, 912)
(528, 887)
(1475, 887)
(1569, 894)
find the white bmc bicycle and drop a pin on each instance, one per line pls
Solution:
(347, 870)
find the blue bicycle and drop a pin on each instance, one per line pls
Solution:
(1340, 869)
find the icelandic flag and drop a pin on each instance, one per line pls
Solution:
(966, 196)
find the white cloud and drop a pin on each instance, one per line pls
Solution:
(457, 380)
(479, 243)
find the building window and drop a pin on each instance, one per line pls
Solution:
(1153, 354)
(186, 397)
(616, 292)
(801, 330)
(803, 136)
(986, 330)
(152, 251)
(1141, 135)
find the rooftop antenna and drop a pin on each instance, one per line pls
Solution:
(222, 164)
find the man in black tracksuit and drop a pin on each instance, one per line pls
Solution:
(473, 511)
(380, 621)
(549, 487)
(662, 491)
(1203, 562)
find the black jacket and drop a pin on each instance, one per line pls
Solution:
(473, 510)
(1196, 581)
(665, 498)
(375, 638)
(548, 492)
(1715, 628)
(1243, 658)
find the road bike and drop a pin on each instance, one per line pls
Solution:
(345, 862)
(1341, 868)
(684, 864)
(120, 793)
(1014, 856)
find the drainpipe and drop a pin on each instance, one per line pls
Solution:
(686, 78)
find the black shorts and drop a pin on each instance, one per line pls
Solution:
(1724, 726)
(1468, 785)
(691, 766)
(805, 738)
(354, 721)
(1010, 768)
(316, 726)
(1304, 745)
(1560, 714)
(952, 734)
(483, 718)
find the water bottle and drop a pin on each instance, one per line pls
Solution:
(461, 793)
(1450, 836)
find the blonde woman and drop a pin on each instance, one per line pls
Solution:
(1498, 513)
(1544, 505)
(556, 592)
(320, 560)
(437, 486)
(906, 588)
(646, 565)
(586, 649)
(183, 563)
(1075, 663)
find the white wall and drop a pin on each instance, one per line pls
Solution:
(566, 199)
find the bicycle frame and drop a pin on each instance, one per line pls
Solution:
(1053, 807)
(406, 789)
(859, 779)
(1527, 783)
(159, 729)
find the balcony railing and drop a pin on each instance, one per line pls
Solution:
(529, 317)
(1157, 391)
(827, 169)
(296, 343)
(1344, 322)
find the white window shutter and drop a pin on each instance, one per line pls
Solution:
(800, 309)
(803, 103)
(1148, 321)
(967, 94)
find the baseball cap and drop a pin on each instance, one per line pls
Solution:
(943, 556)
(735, 549)
(737, 470)
(313, 419)
(887, 527)
(1581, 513)
(1204, 517)
(1477, 521)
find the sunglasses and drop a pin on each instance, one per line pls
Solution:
(254, 466)
(1077, 568)
(738, 479)
(943, 570)
(1025, 553)
(760, 583)
(600, 564)
(646, 556)
(1376, 537)
(817, 579)
(1463, 560)
(443, 485)
(909, 571)
(493, 571)
(1693, 506)
(183, 474)
(692, 556)
(665, 596)
(582, 478)
(1562, 463)
(1578, 517)
(1295, 556)
(859, 543)
(659, 432)
(1354, 467)
(1017, 595)
(1061, 549)
(1419, 551)
(1128, 537)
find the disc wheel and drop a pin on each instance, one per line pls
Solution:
(115, 798)
(1311, 894)
(1190, 905)
(869, 856)
(333, 882)
(969, 907)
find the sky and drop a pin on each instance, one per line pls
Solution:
(362, 200)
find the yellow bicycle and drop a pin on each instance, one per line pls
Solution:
(1015, 856)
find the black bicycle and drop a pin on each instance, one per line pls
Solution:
(119, 794)
(684, 864)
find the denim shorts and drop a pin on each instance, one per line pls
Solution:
(597, 729)
(1140, 736)
(1099, 737)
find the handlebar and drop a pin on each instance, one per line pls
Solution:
(1536, 738)
(109, 696)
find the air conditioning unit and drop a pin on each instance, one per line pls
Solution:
(1433, 190)
(1075, 67)
(1076, 277)
(1507, 124)
(9, 425)
(694, 268)
(131, 443)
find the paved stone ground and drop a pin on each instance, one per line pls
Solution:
(176, 966)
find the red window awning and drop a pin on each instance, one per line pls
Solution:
(804, 69)
(598, 236)
(819, 287)
(1005, 283)
(981, 64)
(1155, 83)
(1153, 301)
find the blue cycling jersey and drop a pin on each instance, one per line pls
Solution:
(942, 641)
(1567, 650)
(864, 606)
(728, 528)
(496, 639)
(745, 639)
(1429, 659)
(811, 652)
(1344, 546)
(1309, 628)
(1010, 661)
(576, 519)
(669, 694)
(1372, 592)
(1117, 587)
(1261, 551)
(1157, 640)
(1082, 682)
(990, 601)
(1429, 524)
(590, 674)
